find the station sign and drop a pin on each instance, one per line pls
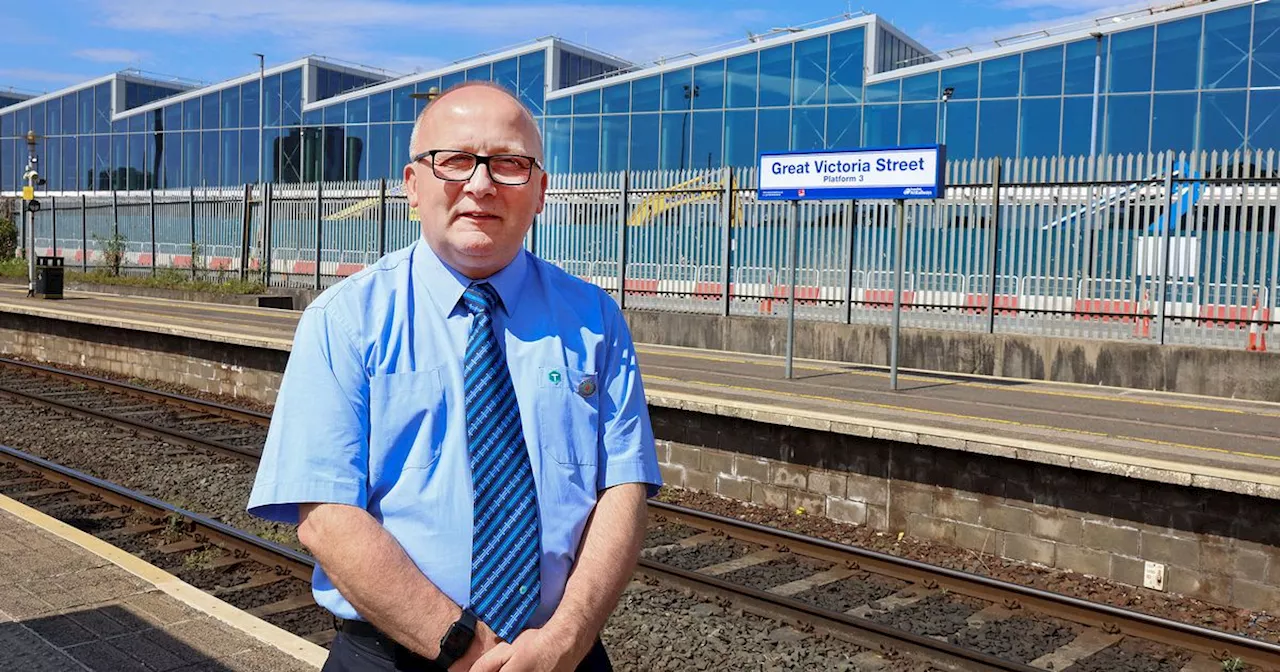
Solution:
(894, 172)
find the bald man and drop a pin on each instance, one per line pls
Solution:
(461, 433)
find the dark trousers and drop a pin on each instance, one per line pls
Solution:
(359, 653)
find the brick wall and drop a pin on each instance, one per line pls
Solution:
(1217, 546)
(219, 368)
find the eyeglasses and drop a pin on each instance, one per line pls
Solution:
(453, 165)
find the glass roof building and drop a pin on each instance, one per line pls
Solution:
(1195, 76)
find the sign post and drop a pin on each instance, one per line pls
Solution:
(897, 173)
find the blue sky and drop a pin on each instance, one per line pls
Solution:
(69, 41)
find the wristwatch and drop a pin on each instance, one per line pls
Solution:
(457, 640)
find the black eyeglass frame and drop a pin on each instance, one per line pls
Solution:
(480, 159)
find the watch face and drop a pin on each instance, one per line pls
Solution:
(457, 640)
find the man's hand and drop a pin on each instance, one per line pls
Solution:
(533, 650)
(484, 642)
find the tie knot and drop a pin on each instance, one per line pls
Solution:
(480, 298)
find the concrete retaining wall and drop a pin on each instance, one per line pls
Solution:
(1235, 374)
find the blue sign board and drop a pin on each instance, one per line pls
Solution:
(894, 172)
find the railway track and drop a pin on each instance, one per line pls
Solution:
(956, 620)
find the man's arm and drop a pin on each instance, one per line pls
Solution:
(374, 574)
(610, 546)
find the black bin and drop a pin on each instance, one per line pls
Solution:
(48, 278)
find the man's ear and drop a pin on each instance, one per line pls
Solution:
(411, 185)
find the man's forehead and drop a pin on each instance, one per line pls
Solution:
(482, 124)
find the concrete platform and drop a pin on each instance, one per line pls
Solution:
(69, 601)
(1207, 442)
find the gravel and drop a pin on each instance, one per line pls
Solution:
(1017, 638)
(852, 592)
(668, 533)
(1132, 657)
(776, 572)
(933, 616)
(704, 555)
(662, 629)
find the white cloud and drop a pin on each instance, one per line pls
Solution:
(983, 37)
(42, 76)
(110, 55)
(1095, 7)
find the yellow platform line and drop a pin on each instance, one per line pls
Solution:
(268, 634)
(968, 418)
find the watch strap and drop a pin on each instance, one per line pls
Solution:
(467, 621)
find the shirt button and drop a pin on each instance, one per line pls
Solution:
(524, 589)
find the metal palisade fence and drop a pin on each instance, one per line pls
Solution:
(1068, 247)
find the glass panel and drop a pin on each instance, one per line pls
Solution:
(191, 114)
(51, 168)
(70, 122)
(532, 80)
(884, 92)
(1042, 72)
(708, 128)
(919, 124)
(334, 148)
(586, 144)
(70, 176)
(136, 122)
(644, 141)
(271, 150)
(920, 87)
(1173, 122)
(480, 72)
(357, 110)
(880, 125)
(102, 108)
(249, 156)
(1039, 129)
(22, 122)
(1131, 60)
(1000, 77)
(677, 90)
(997, 129)
(291, 97)
(249, 104)
(380, 107)
(674, 141)
(1128, 124)
(272, 103)
(1080, 66)
(84, 101)
(961, 129)
(169, 148)
(1076, 125)
(313, 117)
(1177, 54)
(230, 160)
(1222, 121)
(118, 126)
(1264, 119)
(558, 142)
(844, 127)
(230, 113)
(558, 107)
(400, 134)
(741, 80)
(587, 102)
(845, 80)
(775, 77)
(964, 81)
(810, 75)
(507, 74)
(118, 163)
(402, 104)
(335, 114)
(137, 165)
(807, 128)
(1226, 49)
(355, 165)
(378, 151)
(645, 94)
(709, 78)
(208, 159)
(451, 80)
(617, 98)
(53, 113)
(86, 164)
(6, 128)
(614, 143)
(740, 138)
(773, 128)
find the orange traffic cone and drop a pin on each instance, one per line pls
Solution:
(1257, 330)
(1142, 328)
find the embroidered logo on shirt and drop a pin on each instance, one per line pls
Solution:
(554, 377)
(587, 387)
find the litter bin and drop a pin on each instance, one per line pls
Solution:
(48, 278)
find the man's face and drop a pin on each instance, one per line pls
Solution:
(476, 226)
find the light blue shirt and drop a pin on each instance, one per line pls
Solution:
(370, 411)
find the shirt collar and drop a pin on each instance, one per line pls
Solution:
(446, 285)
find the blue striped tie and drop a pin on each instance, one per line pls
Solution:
(506, 542)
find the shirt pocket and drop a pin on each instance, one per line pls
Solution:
(406, 421)
(568, 406)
